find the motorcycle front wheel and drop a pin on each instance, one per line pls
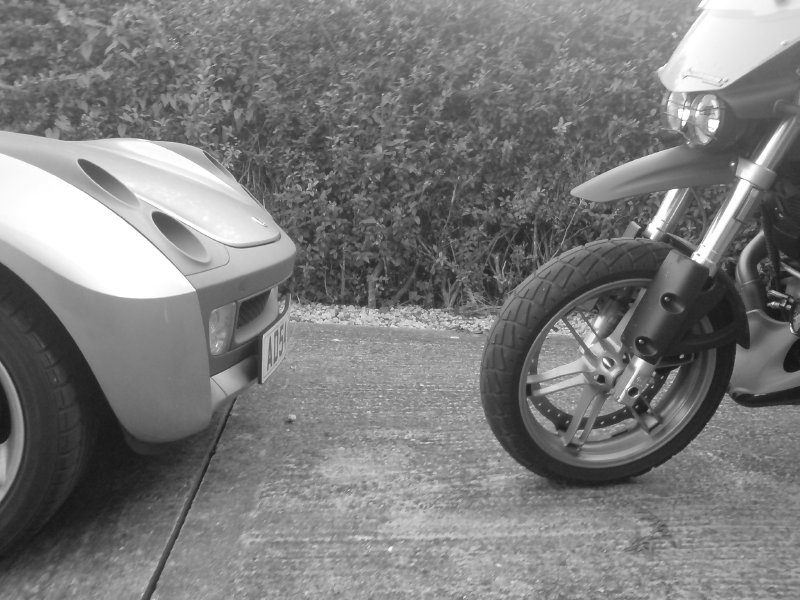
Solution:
(550, 362)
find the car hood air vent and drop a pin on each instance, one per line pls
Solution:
(178, 180)
(194, 191)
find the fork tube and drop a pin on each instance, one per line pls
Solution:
(669, 213)
(754, 176)
(726, 224)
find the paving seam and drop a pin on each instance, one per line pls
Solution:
(187, 506)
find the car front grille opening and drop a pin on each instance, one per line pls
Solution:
(255, 315)
(251, 309)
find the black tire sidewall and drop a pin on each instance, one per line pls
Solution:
(22, 354)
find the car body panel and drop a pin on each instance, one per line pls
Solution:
(203, 196)
(118, 273)
(250, 271)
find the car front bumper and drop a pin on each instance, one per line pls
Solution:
(132, 246)
(150, 355)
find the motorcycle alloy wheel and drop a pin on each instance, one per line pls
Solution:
(554, 354)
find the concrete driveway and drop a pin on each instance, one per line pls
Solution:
(389, 484)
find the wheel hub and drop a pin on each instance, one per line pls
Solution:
(607, 366)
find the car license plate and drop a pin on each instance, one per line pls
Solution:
(274, 345)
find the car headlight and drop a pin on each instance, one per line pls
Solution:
(704, 119)
(220, 328)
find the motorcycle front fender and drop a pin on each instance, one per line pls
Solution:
(679, 167)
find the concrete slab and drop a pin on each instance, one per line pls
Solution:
(389, 485)
(107, 540)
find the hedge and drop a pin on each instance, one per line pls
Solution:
(416, 150)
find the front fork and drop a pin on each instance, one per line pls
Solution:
(671, 311)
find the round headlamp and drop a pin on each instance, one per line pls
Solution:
(708, 117)
(675, 110)
(703, 119)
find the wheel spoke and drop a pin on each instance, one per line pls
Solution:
(576, 367)
(591, 402)
(591, 419)
(578, 338)
(559, 386)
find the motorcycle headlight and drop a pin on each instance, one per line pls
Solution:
(675, 111)
(704, 120)
(707, 120)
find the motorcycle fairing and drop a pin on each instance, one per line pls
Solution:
(679, 167)
(730, 39)
(766, 372)
(760, 376)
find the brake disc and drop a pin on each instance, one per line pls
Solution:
(561, 419)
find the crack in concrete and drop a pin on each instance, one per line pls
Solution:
(187, 506)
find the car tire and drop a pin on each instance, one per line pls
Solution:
(47, 425)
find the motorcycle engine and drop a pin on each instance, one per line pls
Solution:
(784, 211)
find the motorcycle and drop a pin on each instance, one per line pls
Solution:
(613, 356)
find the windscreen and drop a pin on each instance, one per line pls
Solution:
(729, 39)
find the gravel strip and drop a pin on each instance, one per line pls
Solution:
(411, 317)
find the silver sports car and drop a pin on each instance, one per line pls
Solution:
(135, 276)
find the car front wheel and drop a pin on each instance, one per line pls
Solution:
(46, 427)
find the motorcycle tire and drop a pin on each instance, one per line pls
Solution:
(47, 427)
(545, 383)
